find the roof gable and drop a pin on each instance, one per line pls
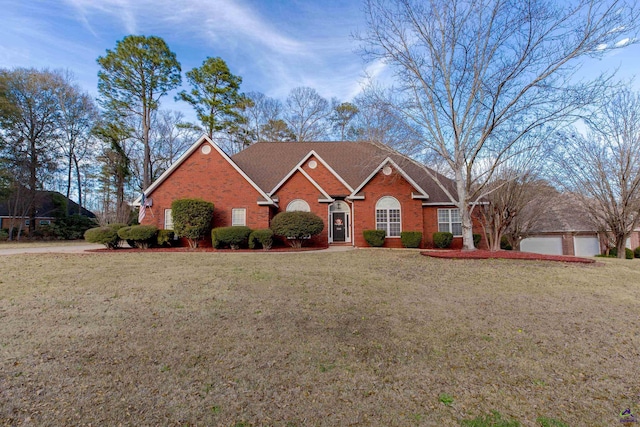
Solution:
(388, 161)
(187, 154)
(298, 167)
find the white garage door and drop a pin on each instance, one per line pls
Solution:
(542, 245)
(586, 245)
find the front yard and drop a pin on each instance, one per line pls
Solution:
(365, 337)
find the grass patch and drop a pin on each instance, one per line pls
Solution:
(363, 337)
(494, 419)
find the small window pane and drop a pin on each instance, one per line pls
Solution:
(238, 217)
(168, 219)
(456, 229)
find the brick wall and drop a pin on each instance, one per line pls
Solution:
(209, 177)
(299, 187)
(365, 210)
(325, 178)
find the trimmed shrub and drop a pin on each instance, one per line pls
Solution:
(411, 239)
(191, 219)
(297, 226)
(106, 235)
(374, 238)
(476, 239)
(164, 238)
(442, 239)
(232, 237)
(628, 253)
(636, 252)
(139, 236)
(262, 238)
(4, 235)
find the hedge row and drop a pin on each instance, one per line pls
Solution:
(137, 236)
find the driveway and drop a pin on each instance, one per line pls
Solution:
(63, 248)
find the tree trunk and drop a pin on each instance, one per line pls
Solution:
(621, 245)
(465, 214)
(146, 125)
(69, 172)
(79, 181)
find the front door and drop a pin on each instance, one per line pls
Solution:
(339, 226)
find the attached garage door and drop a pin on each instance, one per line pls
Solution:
(542, 245)
(586, 245)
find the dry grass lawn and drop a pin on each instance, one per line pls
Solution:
(366, 337)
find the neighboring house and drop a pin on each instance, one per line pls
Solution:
(46, 209)
(566, 229)
(353, 186)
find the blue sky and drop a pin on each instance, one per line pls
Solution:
(274, 45)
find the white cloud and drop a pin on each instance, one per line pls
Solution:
(623, 42)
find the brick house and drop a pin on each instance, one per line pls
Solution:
(47, 205)
(353, 186)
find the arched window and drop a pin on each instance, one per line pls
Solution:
(298, 205)
(388, 216)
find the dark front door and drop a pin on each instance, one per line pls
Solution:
(339, 226)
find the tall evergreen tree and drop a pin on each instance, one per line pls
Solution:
(214, 95)
(133, 78)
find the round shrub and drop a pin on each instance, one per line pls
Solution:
(262, 238)
(476, 239)
(139, 236)
(164, 238)
(442, 239)
(411, 239)
(636, 252)
(232, 237)
(297, 226)
(4, 235)
(191, 219)
(374, 238)
(106, 235)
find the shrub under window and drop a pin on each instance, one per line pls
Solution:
(297, 226)
(191, 219)
(234, 237)
(374, 238)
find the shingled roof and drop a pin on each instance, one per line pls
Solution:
(46, 207)
(267, 163)
(564, 214)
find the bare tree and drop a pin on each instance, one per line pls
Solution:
(512, 208)
(603, 167)
(476, 77)
(306, 113)
(259, 112)
(171, 136)
(29, 113)
(78, 114)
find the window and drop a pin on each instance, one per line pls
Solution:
(45, 222)
(168, 219)
(238, 216)
(449, 221)
(298, 205)
(388, 216)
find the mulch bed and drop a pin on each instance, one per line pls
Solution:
(202, 249)
(484, 254)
